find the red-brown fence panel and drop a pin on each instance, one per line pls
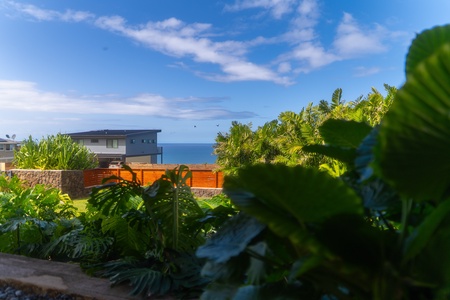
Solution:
(200, 178)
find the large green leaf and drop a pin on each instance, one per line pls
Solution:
(365, 156)
(414, 139)
(342, 133)
(419, 238)
(282, 196)
(425, 44)
(234, 237)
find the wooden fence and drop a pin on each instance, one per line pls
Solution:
(199, 179)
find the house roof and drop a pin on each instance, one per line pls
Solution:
(6, 141)
(112, 133)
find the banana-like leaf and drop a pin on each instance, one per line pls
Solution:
(285, 198)
(425, 44)
(414, 138)
(336, 98)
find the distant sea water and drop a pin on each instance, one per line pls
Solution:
(187, 153)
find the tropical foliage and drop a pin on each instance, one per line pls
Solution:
(145, 236)
(55, 152)
(283, 140)
(156, 230)
(379, 231)
(30, 218)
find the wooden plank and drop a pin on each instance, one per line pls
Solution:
(203, 178)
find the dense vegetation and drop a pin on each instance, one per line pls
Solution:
(379, 231)
(55, 152)
(283, 140)
(143, 235)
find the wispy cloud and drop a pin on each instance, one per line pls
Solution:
(352, 40)
(175, 38)
(304, 50)
(277, 8)
(23, 96)
(49, 15)
(364, 71)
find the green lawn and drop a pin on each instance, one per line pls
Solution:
(80, 204)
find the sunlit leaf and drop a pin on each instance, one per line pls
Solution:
(425, 44)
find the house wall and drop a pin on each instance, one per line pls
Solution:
(100, 147)
(141, 144)
(7, 151)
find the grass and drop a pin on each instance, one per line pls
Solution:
(80, 204)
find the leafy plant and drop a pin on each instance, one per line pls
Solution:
(156, 230)
(284, 140)
(56, 152)
(30, 217)
(379, 231)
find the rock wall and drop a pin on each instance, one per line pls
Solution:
(206, 192)
(70, 182)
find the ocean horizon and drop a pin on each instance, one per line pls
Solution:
(187, 153)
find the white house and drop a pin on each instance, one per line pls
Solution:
(123, 145)
(7, 147)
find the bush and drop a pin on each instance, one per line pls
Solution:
(58, 152)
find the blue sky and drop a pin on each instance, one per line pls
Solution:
(190, 68)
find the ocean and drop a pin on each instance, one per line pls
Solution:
(184, 153)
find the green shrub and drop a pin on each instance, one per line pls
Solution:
(30, 218)
(56, 152)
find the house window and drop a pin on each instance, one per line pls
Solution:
(132, 141)
(8, 147)
(80, 142)
(94, 140)
(2, 147)
(112, 143)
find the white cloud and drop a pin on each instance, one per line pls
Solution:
(49, 15)
(307, 52)
(175, 38)
(364, 71)
(352, 40)
(314, 55)
(284, 67)
(277, 8)
(23, 96)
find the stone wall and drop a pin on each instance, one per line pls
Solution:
(70, 182)
(206, 192)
